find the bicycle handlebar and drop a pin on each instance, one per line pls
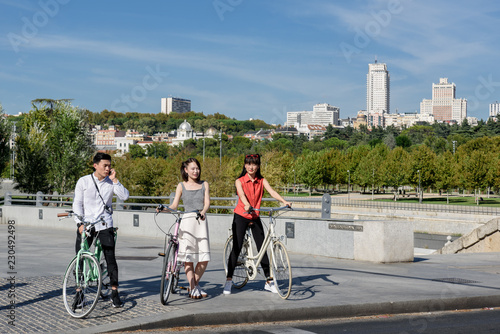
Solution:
(164, 208)
(270, 210)
(70, 213)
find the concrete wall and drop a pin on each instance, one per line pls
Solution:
(377, 241)
(432, 222)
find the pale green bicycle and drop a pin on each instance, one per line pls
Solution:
(86, 278)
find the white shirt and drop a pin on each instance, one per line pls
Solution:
(88, 204)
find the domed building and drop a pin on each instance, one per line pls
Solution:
(210, 132)
(185, 131)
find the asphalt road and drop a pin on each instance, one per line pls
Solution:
(463, 321)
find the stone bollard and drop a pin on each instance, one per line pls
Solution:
(449, 240)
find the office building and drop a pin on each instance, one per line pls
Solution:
(295, 118)
(377, 89)
(494, 109)
(443, 106)
(322, 114)
(175, 104)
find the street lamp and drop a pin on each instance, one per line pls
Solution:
(220, 151)
(294, 181)
(373, 180)
(13, 141)
(419, 190)
(203, 148)
(348, 183)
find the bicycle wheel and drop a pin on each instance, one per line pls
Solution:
(281, 269)
(106, 283)
(240, 275)
(82, 286)
(168, 273)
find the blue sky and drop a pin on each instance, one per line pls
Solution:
(245, 58)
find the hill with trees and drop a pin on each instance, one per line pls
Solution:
(435, 156)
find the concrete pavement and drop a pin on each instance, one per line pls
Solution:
(322, 287)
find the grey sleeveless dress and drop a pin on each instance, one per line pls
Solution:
(194, 245)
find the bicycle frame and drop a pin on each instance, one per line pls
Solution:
(85, 249)
(171, 265)
(253, 261)
(173, 238)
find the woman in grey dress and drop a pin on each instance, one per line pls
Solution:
(194, 245)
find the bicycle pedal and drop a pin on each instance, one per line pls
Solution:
(161, 254)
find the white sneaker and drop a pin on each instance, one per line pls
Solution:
(195, 294)
(227, 287)
(203, 294)
(269, 286)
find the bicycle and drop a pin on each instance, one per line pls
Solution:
(86, 277)
(171, 266)
(247, 264)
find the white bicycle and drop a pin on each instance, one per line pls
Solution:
(247, 265)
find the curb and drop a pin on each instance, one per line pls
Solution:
(319, 312)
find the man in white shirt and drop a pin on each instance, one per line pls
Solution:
(94, 198)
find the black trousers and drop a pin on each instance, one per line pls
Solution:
(239, 226)
(107, 239)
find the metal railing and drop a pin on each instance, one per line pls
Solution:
(324, 205)
(450, 208)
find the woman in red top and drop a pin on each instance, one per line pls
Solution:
(250, 187)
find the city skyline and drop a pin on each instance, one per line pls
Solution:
(245, 59)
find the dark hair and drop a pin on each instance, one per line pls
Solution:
(252, 159)
(185, 164)
(101, 156)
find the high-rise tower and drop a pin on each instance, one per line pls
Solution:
(377, 89)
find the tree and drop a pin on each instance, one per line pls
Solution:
(71, 147)
(403, 141)
(474, 169)
(31, 166)
(368, 172)
(136, 151)
(423, 167)
(476, 159)
(53, 148)
(277, 167)
(157, 150)
(396, 169)
(418, 133)
(446, 175)
(4, 140)
(333, 164)
(308, 169)
(390, 141)
(354, 155)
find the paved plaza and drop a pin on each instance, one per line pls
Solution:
(322, 287)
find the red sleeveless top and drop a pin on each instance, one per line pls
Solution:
(253, 191)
